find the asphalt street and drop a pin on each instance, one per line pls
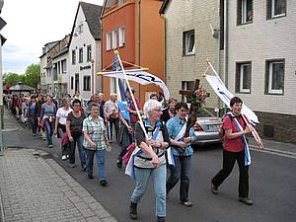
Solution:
(272, 186)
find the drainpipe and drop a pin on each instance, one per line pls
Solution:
(165, 49)
(218, 51)
(226, 26)
(139, 39)
(226, 43)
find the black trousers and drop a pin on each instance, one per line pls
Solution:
(229, 159)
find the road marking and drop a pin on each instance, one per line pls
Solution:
(274, 152)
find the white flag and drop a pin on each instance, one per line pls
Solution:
(141, 77)
(226, 96)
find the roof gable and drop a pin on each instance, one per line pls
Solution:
(164, 6)
(92, 14)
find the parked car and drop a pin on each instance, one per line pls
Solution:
(207, 128)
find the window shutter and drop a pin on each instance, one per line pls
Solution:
(266, 76)
(268, 9)
(239, 12)
(237, 77)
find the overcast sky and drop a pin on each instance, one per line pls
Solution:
(30, 25)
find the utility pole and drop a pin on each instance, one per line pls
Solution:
(2, 40)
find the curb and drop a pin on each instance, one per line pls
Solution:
(273, 151)
(2, 216)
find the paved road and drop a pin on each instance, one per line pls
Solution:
(272, 187)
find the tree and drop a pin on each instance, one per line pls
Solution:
(32, 75)
(12, 79)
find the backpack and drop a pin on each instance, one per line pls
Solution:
(221, 130)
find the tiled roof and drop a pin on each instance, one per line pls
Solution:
(164, 6)
(93, 13)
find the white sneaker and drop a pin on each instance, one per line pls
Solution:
(67, 156)
(64, 157)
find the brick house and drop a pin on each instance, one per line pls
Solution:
(192, 36)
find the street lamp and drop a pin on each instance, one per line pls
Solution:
(93, 76)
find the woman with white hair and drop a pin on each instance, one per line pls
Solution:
(150, 161)
(60, 125)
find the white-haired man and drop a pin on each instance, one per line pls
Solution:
(112, 116)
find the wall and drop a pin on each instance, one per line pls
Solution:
(257, 42)
(183, 16)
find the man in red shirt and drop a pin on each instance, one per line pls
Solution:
(234, 151)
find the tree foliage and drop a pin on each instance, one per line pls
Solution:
(31, 76)
(12, 79)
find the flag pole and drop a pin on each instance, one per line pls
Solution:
(132, 95)
(253, 130)
(130, 70)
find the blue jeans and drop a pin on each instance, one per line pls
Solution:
(33, 122)
(180, 170)
(100, 156)
(49, 131)
(77, 141)
(159, 178)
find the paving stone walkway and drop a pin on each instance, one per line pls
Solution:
(38, 189)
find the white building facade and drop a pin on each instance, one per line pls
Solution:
(261, 62)
(85, 52)
(45, 68)
(60, 73)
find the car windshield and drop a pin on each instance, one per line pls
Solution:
(204, 113)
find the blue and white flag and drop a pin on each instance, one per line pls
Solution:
(224, 94)
(141, 77)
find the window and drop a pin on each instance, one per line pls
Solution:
(243, 77)
(274, 80)
(114, 39)
(108, 41)
(244, 11)
(276, 8)
(86, 83)
(73, 57)
(64, 66)
(189, 43)
(80, 55)
(72, 82)
(80, 28)
(89, 53)
(121, 37)
(58, 68)
(187, 85)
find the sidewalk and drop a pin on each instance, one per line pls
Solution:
(38, 189)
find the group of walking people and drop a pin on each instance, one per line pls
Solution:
(90, 129)
(155, 136)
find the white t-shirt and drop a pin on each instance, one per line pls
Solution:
(62, 114)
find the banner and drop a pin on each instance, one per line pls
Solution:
(226, 96)
(143, 78)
